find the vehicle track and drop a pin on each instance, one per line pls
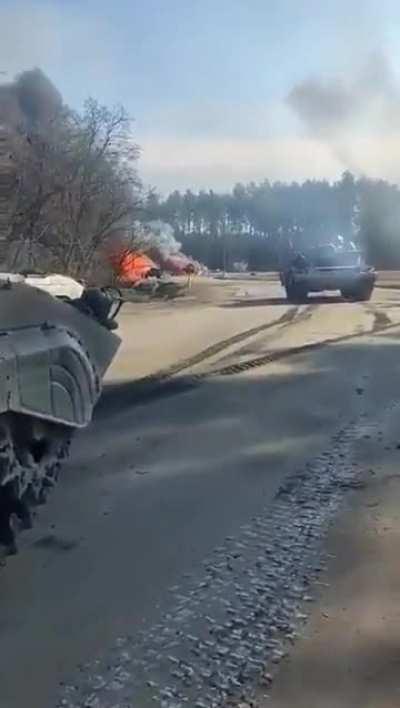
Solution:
(380, 324)
(165, 382)
(128, 393)
(381, 319)
(303, 316)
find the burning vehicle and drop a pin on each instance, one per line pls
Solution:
(177, 264)
(152, 253)
(132, 267)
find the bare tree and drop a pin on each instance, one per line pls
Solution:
(102, 195)
(78, 186)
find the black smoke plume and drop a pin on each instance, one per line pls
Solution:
(30, 101)
(356, 105)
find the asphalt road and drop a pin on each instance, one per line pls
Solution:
(243, 394)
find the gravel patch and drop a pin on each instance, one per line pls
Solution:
(232, 625)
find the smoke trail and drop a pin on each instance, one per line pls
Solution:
(158, 236)
(344, 112)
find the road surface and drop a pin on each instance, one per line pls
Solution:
(185, 501)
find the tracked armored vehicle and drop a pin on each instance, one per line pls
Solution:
(53, 356)
(327, 268)
(56, 343)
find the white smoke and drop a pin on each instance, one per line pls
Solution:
(159, 236)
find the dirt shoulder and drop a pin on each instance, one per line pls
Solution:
(349, 654)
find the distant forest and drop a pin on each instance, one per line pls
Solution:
(246, 225)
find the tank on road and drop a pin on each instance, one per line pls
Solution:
(327, 268)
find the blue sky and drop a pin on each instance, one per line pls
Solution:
(207, 80)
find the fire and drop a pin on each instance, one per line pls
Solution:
(131, 267)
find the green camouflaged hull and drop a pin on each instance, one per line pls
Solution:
(53, 357)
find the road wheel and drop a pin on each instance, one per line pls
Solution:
(30, 454)
(364, 293)
(296, 293)
(360, 294)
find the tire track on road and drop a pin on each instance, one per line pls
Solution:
(127, 393)
(381, 319)
(380, 324)
(121, 396)
(303, 316)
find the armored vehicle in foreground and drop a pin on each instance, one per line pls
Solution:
(53, 356)
(325, 268)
